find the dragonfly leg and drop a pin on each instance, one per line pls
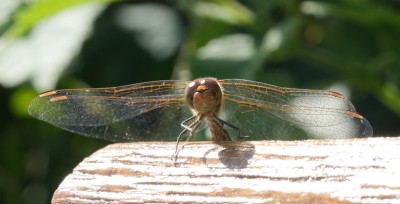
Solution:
(221, 128)
(221, 124)
(194, 125)
(191, 128)
(184, 123)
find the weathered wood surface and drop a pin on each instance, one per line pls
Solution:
(312, 171)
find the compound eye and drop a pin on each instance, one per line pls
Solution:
(190, 90)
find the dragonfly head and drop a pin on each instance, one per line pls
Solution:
(204, 95)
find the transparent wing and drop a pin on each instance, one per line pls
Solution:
(264, 111)
(143, 111)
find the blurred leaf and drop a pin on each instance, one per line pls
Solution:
(48, 49)
(19, 101)
(238, 47)
(7, 7)
(389, 93)
(29, 17)
(280, 39)
(155, 27)
(227, 56)
(227, 11)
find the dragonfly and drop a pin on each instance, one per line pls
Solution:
(169, 110)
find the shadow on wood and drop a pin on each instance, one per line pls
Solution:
(312, 171)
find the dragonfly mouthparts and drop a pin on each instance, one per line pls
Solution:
(201, 88)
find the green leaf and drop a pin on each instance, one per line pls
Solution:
(27, 18)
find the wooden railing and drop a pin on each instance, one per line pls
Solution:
(312, 171)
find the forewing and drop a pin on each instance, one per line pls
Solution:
(264, 111)
(143, 111)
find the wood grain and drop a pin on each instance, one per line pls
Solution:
(312, 171)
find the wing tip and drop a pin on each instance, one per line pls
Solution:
(367, 131)
(354, 115)
(336, 94)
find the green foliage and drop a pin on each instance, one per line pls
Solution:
(28, 17)
(51, 44)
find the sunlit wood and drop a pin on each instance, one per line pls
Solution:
(312, 171)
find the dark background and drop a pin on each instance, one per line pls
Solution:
(352, 47)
